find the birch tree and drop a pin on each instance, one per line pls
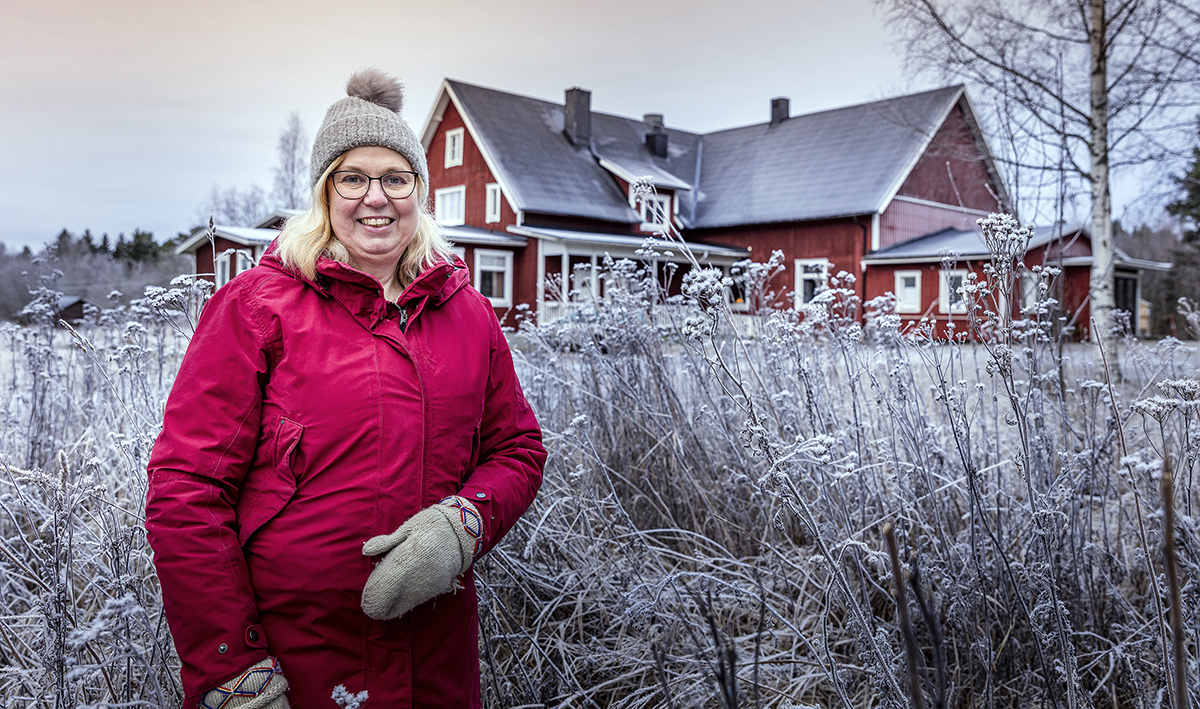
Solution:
(291, 173)
(1076, 89)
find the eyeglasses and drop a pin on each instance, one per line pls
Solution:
(352, 184)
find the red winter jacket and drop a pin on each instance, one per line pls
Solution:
(307, 418)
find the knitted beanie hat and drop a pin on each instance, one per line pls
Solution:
(369, 115)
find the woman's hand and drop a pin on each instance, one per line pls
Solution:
(424, 557)
(260, 687)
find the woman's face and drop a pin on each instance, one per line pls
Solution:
(375, 229)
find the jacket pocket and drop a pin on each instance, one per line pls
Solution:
(274, 486)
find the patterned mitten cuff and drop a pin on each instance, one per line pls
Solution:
(470, 529)
(260, 687)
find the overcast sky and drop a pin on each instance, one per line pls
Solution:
(123, 114)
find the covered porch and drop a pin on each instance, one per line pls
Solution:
(581, 254)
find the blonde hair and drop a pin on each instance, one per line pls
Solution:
(308, 236)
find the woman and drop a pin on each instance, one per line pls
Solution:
(345, 437)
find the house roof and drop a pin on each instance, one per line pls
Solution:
(539, 169)
(834, 163)
(276, 219)
(969, 245)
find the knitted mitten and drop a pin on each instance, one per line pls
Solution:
(423, 558)
(260, 687)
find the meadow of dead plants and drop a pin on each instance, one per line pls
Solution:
(824, 510)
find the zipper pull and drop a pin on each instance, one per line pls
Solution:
(403, 317)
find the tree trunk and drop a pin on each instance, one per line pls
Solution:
(1102, 238)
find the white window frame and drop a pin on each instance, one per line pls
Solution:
(901, 306)
(1029, 290)
(944, 295)
(221, 277)
(506, 301)
(454, 147)
(802, 275)
(492, 211)
(665, 201)
(440, 207)
(244, 260)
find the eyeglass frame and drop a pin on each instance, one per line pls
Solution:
(416, 179)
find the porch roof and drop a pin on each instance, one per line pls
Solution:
(969, 245)
(627, 242)
(482, 237)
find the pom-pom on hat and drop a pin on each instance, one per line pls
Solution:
(369, 115)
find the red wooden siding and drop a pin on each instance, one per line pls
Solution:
(881, 279)
(204, 256)
(473, 173)
(839, 240)
(955, 146)
(903, 221)
(1071, 289)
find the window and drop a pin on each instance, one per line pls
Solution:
(493, 276)
(454, 147)
(1029, 291)
(222, 270)
(812, 275)
(908, 291)
(244, 262)
(449, 205)
(655, 210)
(950, 299)
(493, 203)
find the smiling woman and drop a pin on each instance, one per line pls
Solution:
(374, 227)
(345, 438)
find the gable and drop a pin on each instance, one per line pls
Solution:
(540, 169)
(954, 168)
(843, 162)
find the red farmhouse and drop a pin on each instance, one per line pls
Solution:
(826, 189)
(529, 190)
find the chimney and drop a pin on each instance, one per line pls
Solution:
(656, 139)
(780, 109)
(577, 116)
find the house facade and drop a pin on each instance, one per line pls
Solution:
(827, 189)
(926, 273)
(535, 194)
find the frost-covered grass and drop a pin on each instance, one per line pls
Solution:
(711, 527)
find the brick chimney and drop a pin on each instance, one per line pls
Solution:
(656, 139)
(577, 116)
(780, 109)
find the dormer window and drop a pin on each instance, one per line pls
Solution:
(655, 210)
(492, 211)
(454, 147)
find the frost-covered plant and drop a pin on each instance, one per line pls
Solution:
(709, 528)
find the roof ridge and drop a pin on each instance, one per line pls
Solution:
(949, 88)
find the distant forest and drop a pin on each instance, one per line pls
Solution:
(105, 272)
(102, 271)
